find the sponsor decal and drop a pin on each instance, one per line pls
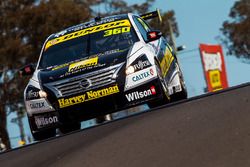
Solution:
(90, 30)
(83, 64)
(109, 52)
(82, 69)
(143, 75)
(60, 66)
(32, 95)
(141, 65)
(166, 61)
(37, 105)
(99, 22)
(116, 31)
(71, 101)
(141, 94)
(88, 96)
(61, 33)
(44, 121)
(140, 77)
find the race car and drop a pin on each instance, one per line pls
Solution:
(100, 67)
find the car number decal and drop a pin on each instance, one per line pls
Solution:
(116, 31)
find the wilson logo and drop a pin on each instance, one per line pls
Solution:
(140, 95)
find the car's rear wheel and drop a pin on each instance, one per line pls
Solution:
(183, 93)
(165, 97)
(179, 95)
(70, 127)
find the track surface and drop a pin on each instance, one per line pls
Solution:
(209, 131)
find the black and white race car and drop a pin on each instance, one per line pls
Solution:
(100, 67)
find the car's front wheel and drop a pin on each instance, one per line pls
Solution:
(165, 97)
(44, 134)
(41, 134)
(70, 127)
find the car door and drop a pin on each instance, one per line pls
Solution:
(163, 51)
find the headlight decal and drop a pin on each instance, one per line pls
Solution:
(32, 93)
(38, 105)
(140, 63)
(140, 77)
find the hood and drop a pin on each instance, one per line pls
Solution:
(92, 63)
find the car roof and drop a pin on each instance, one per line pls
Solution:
(91, 23)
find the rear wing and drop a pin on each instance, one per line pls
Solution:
(152, 15)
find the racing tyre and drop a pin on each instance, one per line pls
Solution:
(45, 134)
(70, 127)
(180, 95)
(165, 98)
(102, 119)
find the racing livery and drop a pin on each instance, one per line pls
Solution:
(99, 67)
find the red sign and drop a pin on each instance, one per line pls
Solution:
(214, 67)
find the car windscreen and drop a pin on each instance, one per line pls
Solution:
(87, 42)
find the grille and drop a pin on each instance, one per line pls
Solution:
(84, 82)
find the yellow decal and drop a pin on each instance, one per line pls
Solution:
(91, 95)
(148, 15)
(116, 31)
(171, 50)
(215, 80)
(144, 24)
(90, 30)
(60, 66)
(166, 61)
(71, 101)
(103, 92)
(83, 64)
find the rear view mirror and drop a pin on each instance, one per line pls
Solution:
(27, 70)
(153, 35)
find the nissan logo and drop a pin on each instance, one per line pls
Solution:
(85, 83)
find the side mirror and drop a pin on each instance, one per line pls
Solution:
(27, 70)
(153, 35)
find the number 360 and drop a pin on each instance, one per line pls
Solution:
(116, 31)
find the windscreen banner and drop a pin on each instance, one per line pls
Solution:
(214, 67)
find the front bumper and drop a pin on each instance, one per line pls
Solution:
(137, 88)
(88, 107)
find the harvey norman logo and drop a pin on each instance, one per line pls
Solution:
(140, 94)
(88, 96)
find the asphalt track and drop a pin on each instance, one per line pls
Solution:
(206, 131)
